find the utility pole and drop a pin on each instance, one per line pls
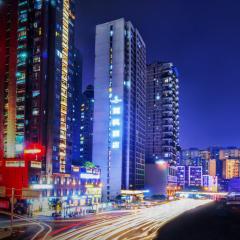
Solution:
(12, 203)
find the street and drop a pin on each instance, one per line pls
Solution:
(134, 224)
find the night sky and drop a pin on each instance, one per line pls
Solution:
(202, 38)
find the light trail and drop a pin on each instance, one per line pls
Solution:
(141, 224)
(43, 226)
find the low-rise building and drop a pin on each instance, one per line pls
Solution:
(210, 183)
(161, 178)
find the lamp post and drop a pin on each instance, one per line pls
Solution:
(12, 203)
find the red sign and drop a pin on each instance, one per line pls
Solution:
(34, 151)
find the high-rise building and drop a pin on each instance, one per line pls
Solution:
(119, 107)
(8, 61)
(86, 130)
(162, 125)
(77, 98)
(61, 89)
(39, 80)
(162, 133)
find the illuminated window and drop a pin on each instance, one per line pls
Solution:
(116, 122)
(115, 145)
(59, 54)
(115, 133)
(19, 147)
(35, 112)
(116, 110)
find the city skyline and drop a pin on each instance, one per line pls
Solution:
(97, 156)
(196, 42)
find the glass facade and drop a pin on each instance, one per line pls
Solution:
(119, 106)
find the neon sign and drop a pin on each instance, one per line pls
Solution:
(34, 150)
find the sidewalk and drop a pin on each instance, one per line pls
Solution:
(5, 233)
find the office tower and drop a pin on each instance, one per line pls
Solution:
(77, 98)
(86, 130)
(162, 131)
(8, 61)
(119, 107)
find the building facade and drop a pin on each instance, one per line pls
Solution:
(77, 98)
(162, 132)
(210, 183)
(119, 107)
(181, 176)
(231, 168)
(197, 157)
(162, 124)
(8, 64)
(39, 82)
(86, 130)
(161, 178)
(194, 176)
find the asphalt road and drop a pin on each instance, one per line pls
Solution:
(133, 225)
(212, 222)
(25, 228)
(137, 225)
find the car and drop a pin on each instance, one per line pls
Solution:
(233, 198)
(20, 210)
(56, 214)
(91, 211)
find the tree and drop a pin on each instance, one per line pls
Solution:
(89, 165)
